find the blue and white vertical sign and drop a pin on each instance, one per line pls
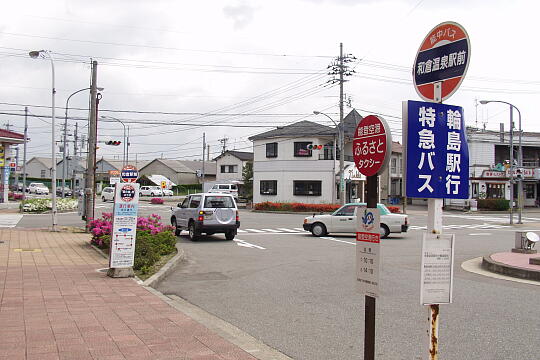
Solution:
(437, 163)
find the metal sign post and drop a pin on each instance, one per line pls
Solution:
(437, 163)
(372, 147)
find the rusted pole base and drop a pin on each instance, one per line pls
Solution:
(433, 332)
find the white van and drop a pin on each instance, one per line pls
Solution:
(225, 189)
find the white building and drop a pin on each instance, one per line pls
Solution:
(285, 170)
(230, 164)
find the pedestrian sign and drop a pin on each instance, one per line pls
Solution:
(437, 155)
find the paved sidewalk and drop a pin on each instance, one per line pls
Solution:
(55, 305)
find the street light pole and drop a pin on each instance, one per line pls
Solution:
(520, 159)
(339, 135)
(34, 55)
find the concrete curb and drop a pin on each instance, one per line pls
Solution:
(222, 328)
(167, 268)
(497, 267)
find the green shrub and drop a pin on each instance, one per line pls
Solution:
(297, 207)
(494, 204)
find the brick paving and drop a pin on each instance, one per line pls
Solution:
(55, 305)
(516, 259)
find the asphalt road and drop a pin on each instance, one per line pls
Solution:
(297, 293)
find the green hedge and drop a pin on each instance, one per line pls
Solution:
(494, 204)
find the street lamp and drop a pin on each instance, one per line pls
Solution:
(520, 160)
(341, 157)
(65, 141)
(126, 145)
(35, 55)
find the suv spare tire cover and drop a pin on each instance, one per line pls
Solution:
(224, 215)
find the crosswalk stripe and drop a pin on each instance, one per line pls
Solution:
(10, 220)
(255, 230)
(271, 230)
(241, 231)
(299, 229)
(287, 230)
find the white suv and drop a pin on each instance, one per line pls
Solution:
(151, 191)
(107, 194)
(206, 213)
(38, 188)
(225, 189)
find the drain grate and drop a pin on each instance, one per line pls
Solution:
(28, 250)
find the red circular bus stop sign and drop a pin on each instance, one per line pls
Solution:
(372, 145)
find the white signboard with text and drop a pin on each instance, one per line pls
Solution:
(126, 203)
(368, 250)
(437, 269)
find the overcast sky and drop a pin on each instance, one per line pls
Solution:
(249, 65)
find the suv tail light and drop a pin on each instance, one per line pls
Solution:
(201, 216)
(237, 216)
(406, 220)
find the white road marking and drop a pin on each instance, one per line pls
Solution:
(288, 230)
(480, 234)
(299, 229)
(241, 231)
(255, 230)
(10, 220)
(271, 230)
(336, 240)
(244, 243)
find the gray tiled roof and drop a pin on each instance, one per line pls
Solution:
(301, 128)
(242, 155)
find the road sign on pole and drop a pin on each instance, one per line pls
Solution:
(442, 60)
(436, 151)
(372, 145)
(368, 241)
(129, 174)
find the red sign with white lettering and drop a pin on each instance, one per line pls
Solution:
(372, 145)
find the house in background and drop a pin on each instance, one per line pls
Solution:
(181, 172)
(39, 167)
(230, 165)
(391, 179)
(285, 170)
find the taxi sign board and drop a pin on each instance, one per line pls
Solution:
(368, 250)
(437, 269)
(129, 174)
(372, 145)
(442, 59)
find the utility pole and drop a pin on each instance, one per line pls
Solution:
(208, 152)
(64, 159)
(340, 68)
(24, 150)
(75, 138)
(203, 151)
(92, 140)
(224, 142)
(16, 166)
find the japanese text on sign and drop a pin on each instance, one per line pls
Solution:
(437, 152)
(437, 269)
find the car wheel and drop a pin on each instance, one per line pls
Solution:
(385, 231)
(318, 229)
(193, 234)
(177, 231)
(229, 235)
(103, 199)
(151, 194)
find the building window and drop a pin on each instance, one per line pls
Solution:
(393, 166)
(495, 191)
(300, 148)
(271, 150)
(529, 191)
(475, 190)
(268, 187)
(309, 188)
(42, 173)
(229, 169)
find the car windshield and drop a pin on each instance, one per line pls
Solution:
(218, 202)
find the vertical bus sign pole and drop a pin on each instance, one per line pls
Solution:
(372, 147)
(439, 68)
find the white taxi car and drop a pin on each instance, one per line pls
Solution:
(343, 220)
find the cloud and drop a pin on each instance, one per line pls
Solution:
(241, 14)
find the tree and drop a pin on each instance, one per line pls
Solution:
(247, 176)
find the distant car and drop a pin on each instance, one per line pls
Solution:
(151, 191)
(343, 220)
(167, 192)
(20, 186)
(225, 189)
(38, 188)
(107, 194)
(67, 191)
(206, 213)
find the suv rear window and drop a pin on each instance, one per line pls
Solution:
(218, 202)
(224, 187)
